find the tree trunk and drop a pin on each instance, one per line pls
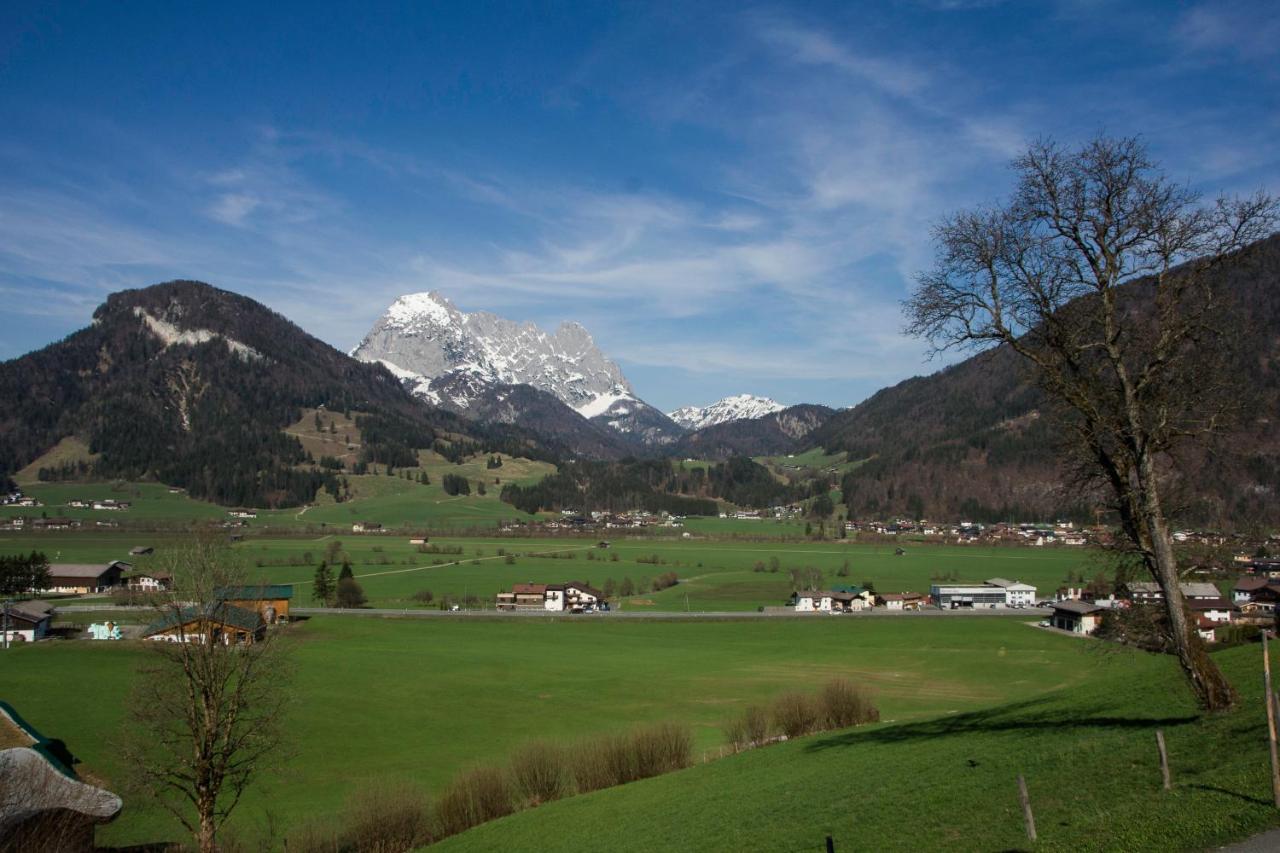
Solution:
(1213, 691)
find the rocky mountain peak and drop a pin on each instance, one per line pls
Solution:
(735, 408)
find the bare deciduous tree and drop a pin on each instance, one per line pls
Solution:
(205, 714)
(1102, 274)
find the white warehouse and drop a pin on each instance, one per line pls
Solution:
(997, 592)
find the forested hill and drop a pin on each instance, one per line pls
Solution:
(192, 386)
(652, 485)
(768, 435)
(974, 440)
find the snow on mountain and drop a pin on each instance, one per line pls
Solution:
(736, 408)
(424, 339)
(608, 403)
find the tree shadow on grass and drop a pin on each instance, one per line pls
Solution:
(1040, 714)
(1214, 789)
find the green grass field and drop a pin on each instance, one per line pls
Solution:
(1088, 753)
(715, 574)
(415, 700)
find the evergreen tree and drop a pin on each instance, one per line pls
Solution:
(345, 572)
(323, 587)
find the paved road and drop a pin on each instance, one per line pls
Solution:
(1267, 842)
(778, 613)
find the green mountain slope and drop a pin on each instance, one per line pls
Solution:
(193, 386)
(975, 440)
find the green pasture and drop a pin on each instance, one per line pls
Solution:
(1088, 753)
(715, 574)
(384, 700)
(151, 502)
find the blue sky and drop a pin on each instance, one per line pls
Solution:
(731, 197)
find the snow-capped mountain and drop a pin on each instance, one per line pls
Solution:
(736, 408)
(423, 337)
(453, 358)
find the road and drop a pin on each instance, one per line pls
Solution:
(772, 613)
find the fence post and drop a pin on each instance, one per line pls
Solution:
(831, 845)
(1271, 720)
(1027, 817)
(1164, 759)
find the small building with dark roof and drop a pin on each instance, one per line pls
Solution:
(24, 621)
(1078, 617)
(269, 600)
(217, 622)
(83, 578)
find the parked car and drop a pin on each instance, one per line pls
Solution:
(1045, 623)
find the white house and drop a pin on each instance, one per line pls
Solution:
(1217, 610)
(1016, 593)
(813, 602)
(578, 595)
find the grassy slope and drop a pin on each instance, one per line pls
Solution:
(1088, 753)
(416, 701)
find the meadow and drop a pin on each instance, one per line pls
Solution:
(721, 574)
(1087, 752)
(386, 700)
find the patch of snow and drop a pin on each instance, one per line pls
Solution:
(174, 336)
(399, 372)
(600, 405)
(413, 308)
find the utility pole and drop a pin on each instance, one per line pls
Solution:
(6, 624)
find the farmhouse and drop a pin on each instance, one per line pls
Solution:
(218, 622)
(1217, 610)
(902, 600)
(578, 596)
(59, 523)
(366, 527)
(1246, 588)
(82, 578)
(270, 601)
(1147, 592)
(1079, 617)
(26, 621)
(812, 602)
(574, 596)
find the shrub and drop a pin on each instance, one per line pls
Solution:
(311, 837)
(350, 593)
(748, 730)
(385, 819)
(796, 714)
(540, 772)
(844, 704)
(591, 766)
(661, 748)
(755, 720)
(471, 799)
(735, 734)
(620, 759)
(426, 596)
